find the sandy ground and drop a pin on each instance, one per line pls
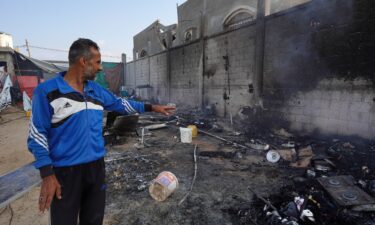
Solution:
(14, 154)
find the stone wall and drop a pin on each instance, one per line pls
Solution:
(318, 74)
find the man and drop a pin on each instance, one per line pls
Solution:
(66, 137)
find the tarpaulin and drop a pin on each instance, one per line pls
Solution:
(26, 102)
(3, 76)
(5, 98)
(111, 77)
(100, 78)
(28, 84)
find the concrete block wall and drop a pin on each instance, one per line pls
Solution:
(186, 71)
(318, 63)
(159, 81)
(335, 107)
(142, 71)
(235, 83)
(318, 70)
(129, 76)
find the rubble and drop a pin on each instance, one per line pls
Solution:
(228, 166)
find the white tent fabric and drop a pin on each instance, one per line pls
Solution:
(5, 98)
(26, 102)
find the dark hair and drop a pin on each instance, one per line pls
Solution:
(81, 48)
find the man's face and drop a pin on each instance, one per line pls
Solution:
(93, 65)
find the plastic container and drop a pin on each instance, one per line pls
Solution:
(194, 130)
(273, 156)
(163, 186)
(186, 135)
(28, 113)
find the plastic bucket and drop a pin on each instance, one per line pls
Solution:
(194, 130)
(163, 186)
(186, 135)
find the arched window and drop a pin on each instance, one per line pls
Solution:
(190, 34)
(143, 53)
(239, 17)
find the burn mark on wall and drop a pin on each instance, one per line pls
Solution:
(348, 50)
(251, 88)
(328, 40)
(210, 72)
(226, 96)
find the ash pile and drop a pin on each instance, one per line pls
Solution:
(246, 175)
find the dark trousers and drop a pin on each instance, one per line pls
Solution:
(83, 195)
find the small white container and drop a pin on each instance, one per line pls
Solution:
(186, 135)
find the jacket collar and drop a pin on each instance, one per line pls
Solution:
(65, 88)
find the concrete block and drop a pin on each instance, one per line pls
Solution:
(334, 114)
(355, 106)
(369, 98)
(308, 127)
(302, 119)
(316, 103)
(326, 95)
(335, 105)
(290, 117)
(346, 96)
(365, 117)
(335, 95)
(344, 130)
(297, 110)
(344, 106)
(325, 113)
(366, 107)
(332, 126)
(307, 111)
(371, 133)
(364, 131)
(296, 126)
(320, 122)
(357, 97)
(357, 127)
(316, 112)
(324, 104)
(355, 117)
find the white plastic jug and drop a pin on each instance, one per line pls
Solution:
(186, 135)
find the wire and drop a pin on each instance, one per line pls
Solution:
(195, 176)
(11, 213)
(50, 49)
(61, 50)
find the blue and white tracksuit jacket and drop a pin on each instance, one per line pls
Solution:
(66, 126)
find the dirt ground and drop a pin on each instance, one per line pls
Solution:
(220, 184)
(14, 154)
(220, 189)
(224, 172)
